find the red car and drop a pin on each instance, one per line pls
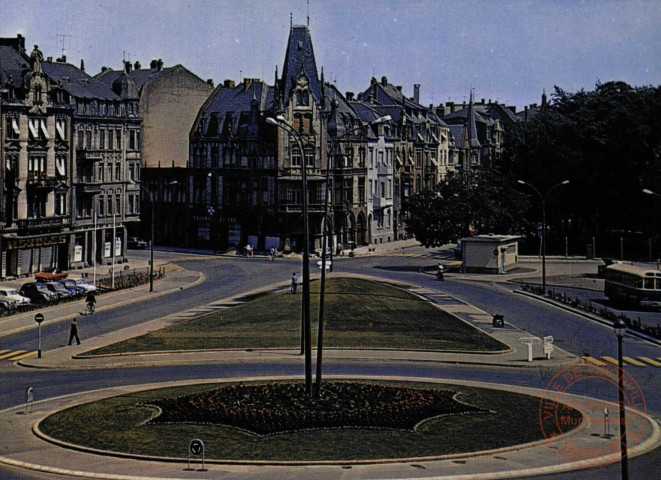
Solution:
(51, 276)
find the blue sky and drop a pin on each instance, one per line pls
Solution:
(506, 50)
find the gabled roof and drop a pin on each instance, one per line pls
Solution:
(140, 77)
(343, 115)
(78, 83)
(226, 108)
(300, 59)
(13, 64)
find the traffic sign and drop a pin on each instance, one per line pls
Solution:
(38, 318)
(196, 447)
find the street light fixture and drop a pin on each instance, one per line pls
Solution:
(543, 198)
(151, 244)
(322, 287)
(282, 123)
(650, 192)
(620, 328)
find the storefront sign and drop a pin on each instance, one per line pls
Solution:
(14, 243)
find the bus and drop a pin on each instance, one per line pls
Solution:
(633, 285)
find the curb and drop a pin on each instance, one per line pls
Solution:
(589, 316)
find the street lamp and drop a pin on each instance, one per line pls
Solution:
(151, 244)
(543, 198)
(620, 328)
(281, 122)
(320, 331)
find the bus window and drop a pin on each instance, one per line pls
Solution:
(649, 284)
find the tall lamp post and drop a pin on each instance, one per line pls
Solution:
(620, 328)
(281, 122)
(543, 198)
(151, 243)
(320, 331)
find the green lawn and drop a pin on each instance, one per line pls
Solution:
(117, 424)
(359, 314)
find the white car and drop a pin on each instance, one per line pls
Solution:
(14, 296)
(84, 285)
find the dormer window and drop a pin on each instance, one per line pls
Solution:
(302, 98)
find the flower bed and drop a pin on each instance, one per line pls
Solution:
(282, 407)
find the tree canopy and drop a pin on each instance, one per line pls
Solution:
(471, 202)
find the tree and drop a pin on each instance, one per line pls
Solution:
(470, 202)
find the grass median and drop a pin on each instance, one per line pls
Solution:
(359, 314)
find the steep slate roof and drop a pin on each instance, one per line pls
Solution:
(140, 77)
(300, 57)
(76, 82)
(14, 64)
(230, 103)
(459, 133)
(343, 117)
(388, 94)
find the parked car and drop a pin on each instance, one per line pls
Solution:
(136, 243)
(60, 290)
(38, 293)
(84, 285)
(14, 296)
(50, 275)
(71, 286)
(7, 305)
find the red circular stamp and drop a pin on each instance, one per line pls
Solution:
(567, 405)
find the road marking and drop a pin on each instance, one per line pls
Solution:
(4, 351)
(633, 362)
(594, 361)
(25, 355)
(654, 363)
(611, 360)
(7, 356)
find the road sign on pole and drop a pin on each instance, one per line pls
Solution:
(196, 448)
(39, 318)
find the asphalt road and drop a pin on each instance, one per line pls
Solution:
(228, 277)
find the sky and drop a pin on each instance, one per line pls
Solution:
(506, 50)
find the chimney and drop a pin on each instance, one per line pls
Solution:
(82, 65)
(483, 101)
(246, 83)
(21, 42)
(489, 101)
(49, 59)
(349, 96)
(153, 64)
(228, 83)
(210, 82)
(137, 66)
(127, 67)
(371, 98)
(62, 59)
(159, 65)
(416, 93)
(384, 81)
(103, 69)
(399, 88)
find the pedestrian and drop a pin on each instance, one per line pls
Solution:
(294, 283)
(272, 254)
(439, 273)
(73, 333)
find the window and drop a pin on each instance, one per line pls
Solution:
(371, 158)
(302, 98)
(118, 204)
(80, 139)
(33, 128)
(110, 139)
(36, 166)
(117, 172)
(61, 129)
(131, 204)
(60, 204)
(101, 208)
(361, 189)
(309, 157)
(134, 140)
(361, 158)
(102, 139)
(295, 157)
(61, 166)
(118, 137)
(381, 157)
(101, 175)
(89, 139)
(11, 128)
(383, 189)
(109, 204)
(132, 171)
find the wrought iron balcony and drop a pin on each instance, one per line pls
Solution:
(40, 223)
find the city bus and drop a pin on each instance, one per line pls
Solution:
(633, 285)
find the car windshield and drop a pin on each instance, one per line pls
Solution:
(13, 292)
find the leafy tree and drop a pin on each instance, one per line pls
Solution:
(471, 202)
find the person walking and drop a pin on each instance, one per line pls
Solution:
(73, 332)
(294, 283)
(91, 302)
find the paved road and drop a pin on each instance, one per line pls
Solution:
(227, 277)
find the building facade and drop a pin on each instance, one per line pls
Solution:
(69, 148)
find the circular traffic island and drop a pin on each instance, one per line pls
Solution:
(278, 422)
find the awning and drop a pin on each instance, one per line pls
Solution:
(14, 126)
(399, 160)
(421, 138)
(59, 126)
(299, 177)
(44, 129)
(434, 161)
(34, 128)
(61, 166)
(434, 137)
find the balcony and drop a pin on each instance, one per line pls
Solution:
(381, 202)
(43, 223)
(40, 180)
(88, 154)
(298, 208)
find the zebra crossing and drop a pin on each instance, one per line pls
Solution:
(15, 355)
(627, 361)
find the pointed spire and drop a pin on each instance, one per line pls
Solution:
(470, 124)
(544, 97)
(276, 93)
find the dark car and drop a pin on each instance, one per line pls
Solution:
(60, 290)
(38, 293)
(71, 286)
(136, 243)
